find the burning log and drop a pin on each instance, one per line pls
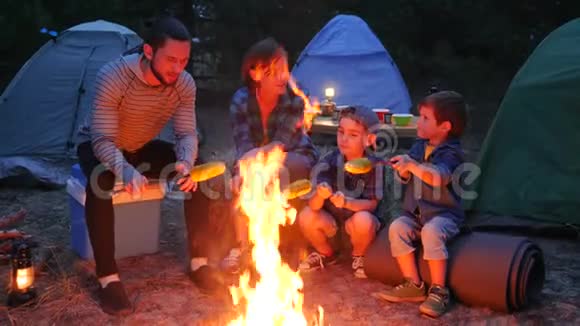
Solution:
(11, 219)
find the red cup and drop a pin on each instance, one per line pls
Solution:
(384, 115)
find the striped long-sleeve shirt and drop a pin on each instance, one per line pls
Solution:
(127, 113)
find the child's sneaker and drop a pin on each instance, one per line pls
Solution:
(316, 261)
(358, 266)
(436, 303)
(406, 292)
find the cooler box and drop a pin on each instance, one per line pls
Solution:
(136, 221)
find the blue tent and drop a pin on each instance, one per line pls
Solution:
(347, 56)
(51, 95)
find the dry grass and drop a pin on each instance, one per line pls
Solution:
(163, 295)
(63, 293)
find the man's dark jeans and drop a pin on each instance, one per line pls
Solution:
(99, 209)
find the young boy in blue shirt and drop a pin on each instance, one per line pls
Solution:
(341, 198)
(431, 207)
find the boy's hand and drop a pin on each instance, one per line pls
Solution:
(401, 163)
(324, 190)
(338, 199)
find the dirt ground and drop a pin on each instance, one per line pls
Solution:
(163, 295)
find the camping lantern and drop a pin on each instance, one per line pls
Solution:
(328, 106)
(21, 276)
(329, 93)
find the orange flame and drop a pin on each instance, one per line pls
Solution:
(311, 109)
(276, 298)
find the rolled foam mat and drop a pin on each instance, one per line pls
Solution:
(497, 271)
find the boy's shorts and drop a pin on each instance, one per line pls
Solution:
(405, 231)
(340, 215)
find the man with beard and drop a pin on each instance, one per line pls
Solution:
(136, 95)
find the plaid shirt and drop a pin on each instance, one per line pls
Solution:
(285, 125)
(358, 186)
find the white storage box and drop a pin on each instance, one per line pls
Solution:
(136, 221)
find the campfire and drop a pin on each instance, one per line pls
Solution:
(276, 298)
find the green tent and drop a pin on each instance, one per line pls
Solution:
(530, 160)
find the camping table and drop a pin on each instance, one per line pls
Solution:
(327, 125)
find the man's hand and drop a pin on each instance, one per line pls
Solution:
(136, 186)
(185, 183)
(338, 199)
(324, 190)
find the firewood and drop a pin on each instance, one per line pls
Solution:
(11, 219)
(11, 234)
(5, 259)
(5, 247)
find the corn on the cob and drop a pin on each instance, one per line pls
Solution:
(207, 171)
(297, 189)
(358, 166)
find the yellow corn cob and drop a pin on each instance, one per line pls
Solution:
(207, 171)
(358, 166)
(297, 189)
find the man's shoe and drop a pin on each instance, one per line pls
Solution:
(406, 292)
(114, 300)
(436, 303)
(316, 261)
(207, 279)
